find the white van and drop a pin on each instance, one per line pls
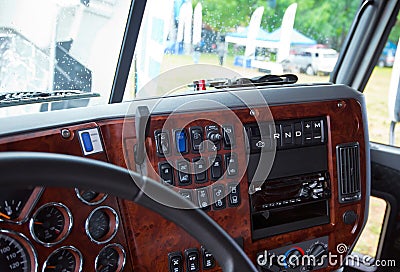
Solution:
(313, 61)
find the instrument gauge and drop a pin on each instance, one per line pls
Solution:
(15, 205)
(51, 224)
(16, 253)
(90, 197)
(110, 259)
(102, 224)
(64, 259)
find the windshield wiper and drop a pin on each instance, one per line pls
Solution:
(22, 98)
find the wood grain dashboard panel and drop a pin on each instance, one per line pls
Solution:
(155, 237)
(148, 237)
(52, 141)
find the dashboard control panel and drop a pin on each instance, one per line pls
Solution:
(211, 158)
(305, 256)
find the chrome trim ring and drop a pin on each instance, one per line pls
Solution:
(78, 194)
(122, 256)
(113, 225)
(78, 261)
(68, 222)
(25, 242)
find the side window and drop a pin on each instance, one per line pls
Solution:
(382, 94)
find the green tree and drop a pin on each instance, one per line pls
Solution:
(327, 22)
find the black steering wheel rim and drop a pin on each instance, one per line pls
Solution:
(25, 169)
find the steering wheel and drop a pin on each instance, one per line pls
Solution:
(24, 169)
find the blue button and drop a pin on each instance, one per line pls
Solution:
(87, 142)
(181, 141)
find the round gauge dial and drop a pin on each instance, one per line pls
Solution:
(51, 224)
(15, 205)
(90, 197)
(111, 259)
(102, 224)
(16, 253)
(64, 259)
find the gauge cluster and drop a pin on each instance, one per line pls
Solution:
(48, 230)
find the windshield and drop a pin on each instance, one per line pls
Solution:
(59, 45)
(58, 50)
(252, 38)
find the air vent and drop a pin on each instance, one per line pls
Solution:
(348, 164)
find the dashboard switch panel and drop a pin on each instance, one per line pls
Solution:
(183, 173)
(203, 198)
(192, 260)
(229, 136)
(196, 137)
(200, 170)
(175, 262)
(232, 165)
(234, 194)
(162, 142)
(181, 141)
(208, 259)
(166, 173)
(305, 256)
(214, 136)
(218, 192)
(216, 168)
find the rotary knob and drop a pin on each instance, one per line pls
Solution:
(214, 136)
(294, 258)
(318, 250)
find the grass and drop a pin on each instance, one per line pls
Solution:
(369, 239)
(376, 95)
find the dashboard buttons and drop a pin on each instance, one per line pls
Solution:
(203, 198)
(214, 136)
(208, 259)
(234, 194)
(162, 142)
(200, 170)
(229, 136)
(231, 163)
(181, 141)
(186, 194)
(287, 135)
(192, 260)
(183, 173)
(298, 133)
(219, 202)
(86, 141)
(175, 262)
(196, 136)
(51, 224)
(216, 167)
(166, 172)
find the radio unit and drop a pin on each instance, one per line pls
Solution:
(289, 204)
(295, 192)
